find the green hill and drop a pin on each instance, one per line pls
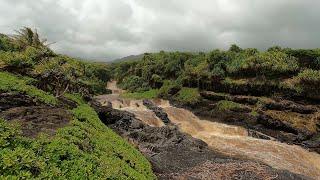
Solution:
(48, 129)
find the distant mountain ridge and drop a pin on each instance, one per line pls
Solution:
(129, 58)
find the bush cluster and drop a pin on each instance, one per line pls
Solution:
(86, 149)
(211, 70)
(309, 81)
(27, 55)
(12, 83)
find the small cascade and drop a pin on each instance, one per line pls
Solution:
(227, 139)
(234, 141)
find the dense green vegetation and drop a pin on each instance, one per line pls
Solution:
(237, 71)
(227, 105)
(150, 94)
(188, 96)
(27, 55)
(12, 83)
(85, 148)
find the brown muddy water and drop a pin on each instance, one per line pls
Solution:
(228, 139)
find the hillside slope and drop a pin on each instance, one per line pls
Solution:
(48, 129)
(129, 58)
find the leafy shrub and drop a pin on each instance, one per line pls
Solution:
(156, 81)
(57, 75)
(169, 88)
(37, 54)
(11, 83)
(274, 49)
(86, 149)
(7, 44)
(309, 80)
(150, 94)
(235, 48)
(133, 83)
(86, 86)
(254, 113)
(75, 97)
(250, 51)
(188, 96)
(234, 82)
(218, 72)
(309, 76)
(306, 57)
(215, 57)
(225, 105)
(99, 71)
(266, 63)
(63, 74)
(15, 61)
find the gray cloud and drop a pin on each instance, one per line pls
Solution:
(108, 29)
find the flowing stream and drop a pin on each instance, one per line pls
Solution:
(227, 139)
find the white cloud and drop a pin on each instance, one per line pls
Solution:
(107, 29)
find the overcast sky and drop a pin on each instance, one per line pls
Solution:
(108, 29)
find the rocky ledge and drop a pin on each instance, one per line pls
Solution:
(290, 121)
(176, 155)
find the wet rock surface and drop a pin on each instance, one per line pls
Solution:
(286, 105)
(157, 110)
(176, 155)
(285, 120)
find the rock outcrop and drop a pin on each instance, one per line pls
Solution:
(176, 155)
(293, 122)
(157, 110)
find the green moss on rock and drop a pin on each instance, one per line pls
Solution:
(227, 105)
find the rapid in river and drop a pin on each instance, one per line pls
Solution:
(227, 139)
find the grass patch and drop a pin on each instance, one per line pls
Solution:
(12, 83)
(309, 75)
(150, 94)
(299, 121)
(188, 95)
(309, 81)
(227, 105)
(75, 97)
(235, 82)
(254, 113)
(169, 88)
(291, 84)
(86, 149)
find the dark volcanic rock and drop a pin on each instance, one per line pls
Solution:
(67, 103)
(9, 100)
(235, 98)
(291, 106)
(313, 143)
(271, 123)
(272, 117)
(38, 119)
(176, 155)
(35, 117)
(157, 110)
